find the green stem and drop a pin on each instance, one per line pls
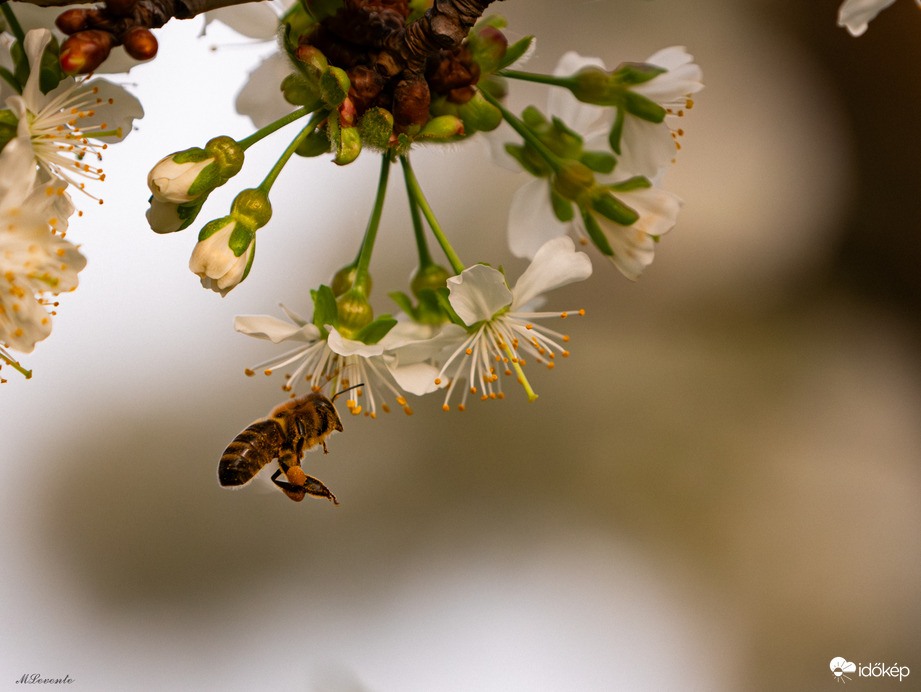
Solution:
(415, 194)
(539, 78)
(14, 25)
(554, 161)
(272, 127)
(266, 184)
(425, 257)
(362, 275)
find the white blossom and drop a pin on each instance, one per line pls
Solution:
(500, 321)
(396, 365)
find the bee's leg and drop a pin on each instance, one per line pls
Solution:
(299, 484)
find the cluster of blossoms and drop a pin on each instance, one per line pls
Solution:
(52, 131)
(370, 76)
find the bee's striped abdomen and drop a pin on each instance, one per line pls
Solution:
(249, 452)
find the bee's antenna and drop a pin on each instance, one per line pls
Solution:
(343, 391)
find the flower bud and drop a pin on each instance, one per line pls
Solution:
(411, 100)
(224, 254)
(192, 174)
(298, 91)
(314, 62)
(83, 52)
(168, 217)
(442, 127)
(72, 21)
(140, 43)
(430, 277)
(488, 46)
(479, 115)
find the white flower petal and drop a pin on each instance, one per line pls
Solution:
(856, 14)
(274, 329)
(531, 221)
(415, 378)
(556, 264)
(348, 347)
(478, 293)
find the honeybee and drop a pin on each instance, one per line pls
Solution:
(290, 430)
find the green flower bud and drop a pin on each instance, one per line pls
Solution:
(252, 208)
(354, 312)
(430, 277)
(488, 46)
(442, 127)
(312, 62)
(479, 115)
(228, 154)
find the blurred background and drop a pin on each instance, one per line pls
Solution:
(718, 490)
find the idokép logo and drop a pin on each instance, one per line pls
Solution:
(841, 666)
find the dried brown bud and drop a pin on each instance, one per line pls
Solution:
(72, 21)
(85, 51)
(366, 84)
(140, 43)
(411, 100)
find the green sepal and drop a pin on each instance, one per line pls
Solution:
(562, 207)
(429, 310)
(325, 310)
(188, 212)
(334, 87)
(597, 235)
(515, 51)
(617, 132)
(213, 227)
(249, 263)
(529, 161)
(8, 127)
(633, 73)
(50, 72)
(298, 90)
(348, 145)
(643, 108)
(240, 239)
(637, 182)
(20, 64)
(443, 297)
(612, 208)
(599, 161)
(373, 332)
(315, 144)
(295, 23)
(376, 127)
(404, 302)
